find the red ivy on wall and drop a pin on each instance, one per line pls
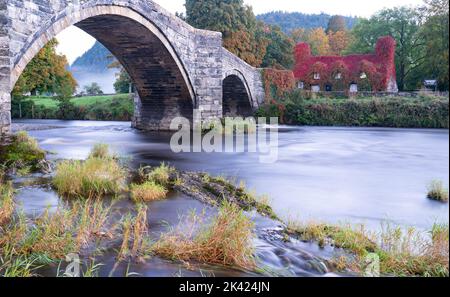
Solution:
(277, 82)
(340, 71)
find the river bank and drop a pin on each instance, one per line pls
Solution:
(396, 112)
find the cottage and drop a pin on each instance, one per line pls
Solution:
(370, 72)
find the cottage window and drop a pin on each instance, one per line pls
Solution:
(315, 88)
(363, 75)
(316, 76)
(338, 76)
(301, 85)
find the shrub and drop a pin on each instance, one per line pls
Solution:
(91, 178)
(226, 241)
(149, 191)
(437, 192)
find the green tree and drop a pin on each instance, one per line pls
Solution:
(404, 25)
(279, 50)
(435, 33)
(337, 23)
(123, 83)
(93, 89)
(46, 73)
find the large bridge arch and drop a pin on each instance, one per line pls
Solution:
(164, 88)
(175, 66)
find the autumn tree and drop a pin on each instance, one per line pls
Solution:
(237, 23)
(319, 42)
(339, 41)
(336, 23)
(46, 73)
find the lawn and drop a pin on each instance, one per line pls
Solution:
(109, 107)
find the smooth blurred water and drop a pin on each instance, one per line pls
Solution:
(351, 175)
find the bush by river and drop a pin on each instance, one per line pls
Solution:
(395, 112)
(99, 108)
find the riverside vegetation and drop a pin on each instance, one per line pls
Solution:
(296, 108)
(88, 224)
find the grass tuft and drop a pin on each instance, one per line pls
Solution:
(437, 192)
(100, 151)
(148, 191)
(159, 175)
(226, 241)
(92, 178)
(135, 242)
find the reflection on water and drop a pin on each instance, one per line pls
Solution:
(333, 174)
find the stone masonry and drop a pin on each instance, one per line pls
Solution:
(175, 67)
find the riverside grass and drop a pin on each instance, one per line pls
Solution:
(403, 253)
(26, 246)
(100, 175)
(22, 153)
(6, 201)
(226, 241)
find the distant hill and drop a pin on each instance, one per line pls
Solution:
(92, 66)
(289, 21)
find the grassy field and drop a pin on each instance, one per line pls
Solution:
(109, 107)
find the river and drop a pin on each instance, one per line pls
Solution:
(336, 175)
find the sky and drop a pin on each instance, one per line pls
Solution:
(73, 42)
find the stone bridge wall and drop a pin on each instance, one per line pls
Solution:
(191, 62)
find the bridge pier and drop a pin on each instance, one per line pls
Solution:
(5, 113)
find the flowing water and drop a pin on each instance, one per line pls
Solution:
(346, 175)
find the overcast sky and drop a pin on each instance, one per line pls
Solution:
(74, 42)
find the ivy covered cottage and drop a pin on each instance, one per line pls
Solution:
(369, 72)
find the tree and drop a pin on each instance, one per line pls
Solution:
(236, 21)
(123, 82)
(280, 49)
(93, 89)
(404, 25)
(435, 33)
(299, 35)
(46, 73)
(319, 42)
(336, 23)
(339, 41)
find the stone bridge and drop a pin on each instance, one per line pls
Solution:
(175, 67)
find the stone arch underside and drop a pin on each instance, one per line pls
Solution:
(236, 97)
(163, 93)
(162, 84)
